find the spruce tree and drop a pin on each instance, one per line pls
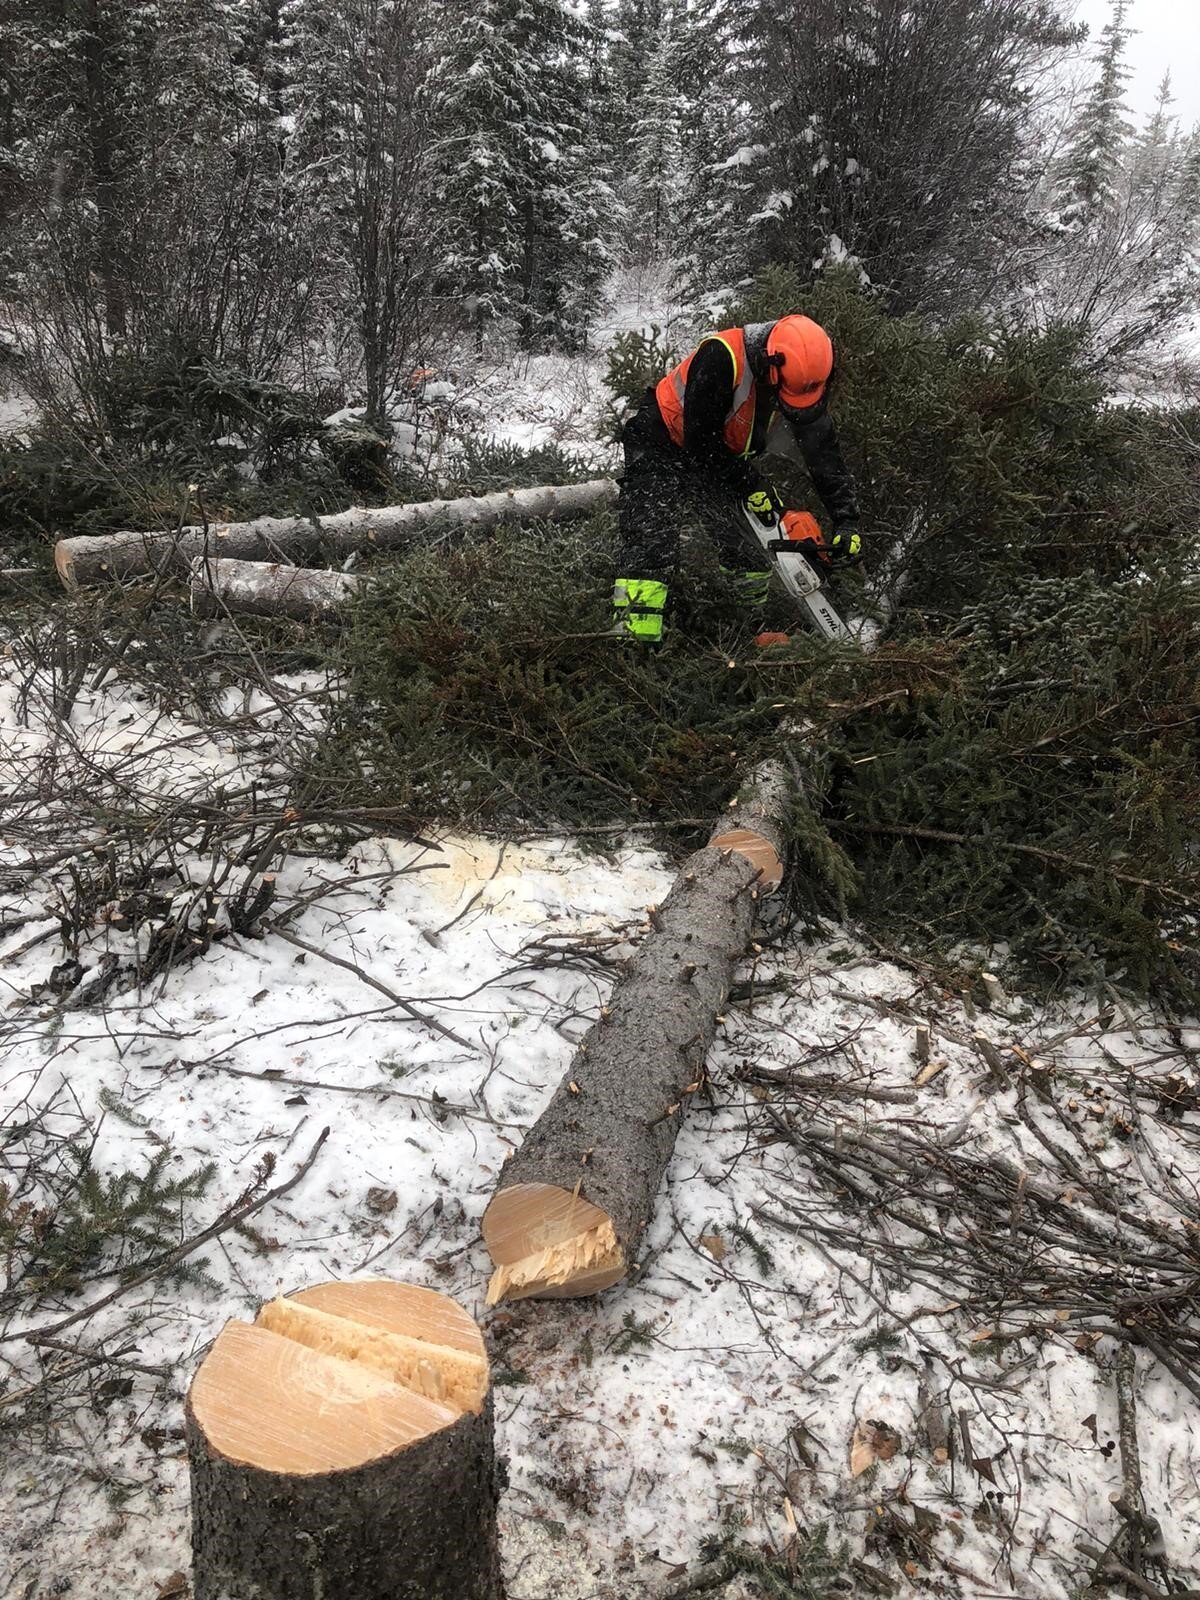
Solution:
(656, 157)
(892, 132)
(586, 215)
(1122, 220)
(528, 214)
(1101, 129)
(637, 29)
(720, 159)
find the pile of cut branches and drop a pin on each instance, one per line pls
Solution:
(1024, 775)
(1021, 1251)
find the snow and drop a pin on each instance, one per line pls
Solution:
(16, 412)
(745, 156)
(635, 1425)
(776, 203)
(534, 400)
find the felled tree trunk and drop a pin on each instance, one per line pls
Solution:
(102, 557)
(575, 1199)
(267, 589)
(341, 1446)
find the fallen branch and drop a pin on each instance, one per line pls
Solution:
(1131, 1461)
(102, 1358)
(229, 1219)
(814, 1083)
(397, 1000)
(441, 1108)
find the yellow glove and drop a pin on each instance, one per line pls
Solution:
(764, 505)
(845, 548)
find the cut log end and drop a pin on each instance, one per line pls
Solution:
(548, 1243)
(758, 850)
(64, 563)
(338, 1376)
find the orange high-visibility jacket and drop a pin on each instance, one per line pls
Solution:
(739, 423)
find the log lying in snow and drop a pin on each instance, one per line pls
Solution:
(268, 589)
(575, 1199)
(101, 557)
(342, 1446)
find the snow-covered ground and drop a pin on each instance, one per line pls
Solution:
(719, 1392)
(535, 400)
(507, 396)
(16, 411)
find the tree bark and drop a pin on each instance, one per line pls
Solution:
(101, 65)
(267, 589)
(575, 1199)
(104, 557)
(328, 1509)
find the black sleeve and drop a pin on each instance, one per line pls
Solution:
(706, 404)
(827, 468)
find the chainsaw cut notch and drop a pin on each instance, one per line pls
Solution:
(549, 1243)
(450, 1377)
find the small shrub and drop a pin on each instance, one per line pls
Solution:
(64, 1223)
(186, 409)
(482, 466)
(637, 359)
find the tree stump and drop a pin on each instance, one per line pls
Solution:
(341, 1446)
(575, 1199)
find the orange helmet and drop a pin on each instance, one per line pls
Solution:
(801, 353)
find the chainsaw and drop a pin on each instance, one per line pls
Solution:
(797, 573)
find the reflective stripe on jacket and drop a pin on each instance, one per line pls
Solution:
(739, 422)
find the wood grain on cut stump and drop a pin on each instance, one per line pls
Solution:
(342, 1445)
(549, 1240)
(574, 1201)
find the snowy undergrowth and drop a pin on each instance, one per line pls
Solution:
(533, 400)
(716, 1396)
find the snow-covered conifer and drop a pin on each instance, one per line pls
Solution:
(527, 214)
(655, 183)
(1100, 130)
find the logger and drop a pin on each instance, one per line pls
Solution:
(341, 1445)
